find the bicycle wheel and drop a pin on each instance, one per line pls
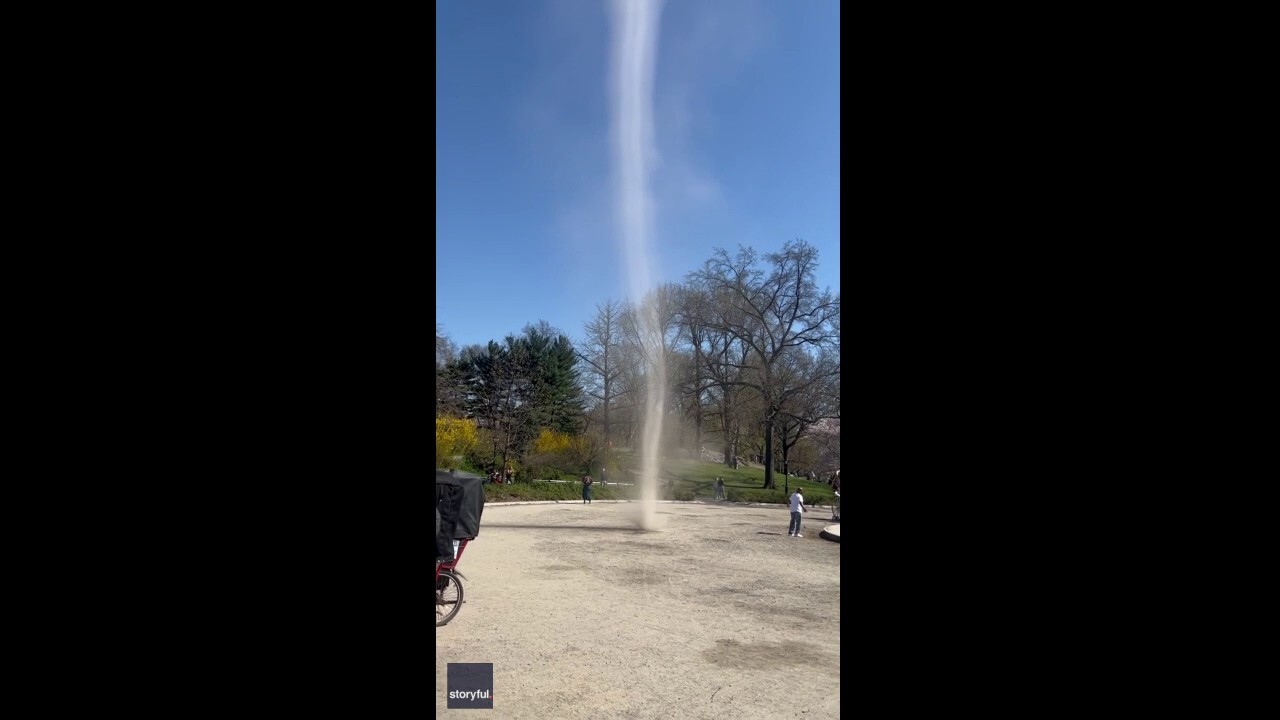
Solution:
(448, 597)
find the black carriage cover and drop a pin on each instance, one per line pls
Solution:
(460, 502)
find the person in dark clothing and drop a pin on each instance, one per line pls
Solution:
(586, 489)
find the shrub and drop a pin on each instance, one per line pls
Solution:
(569, 454)
(454, 438)
(527, 491)
(547, 491)
(815, 497)
(542, 466)
(685, 494)
(757, 495)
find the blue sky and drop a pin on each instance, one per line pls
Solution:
(747, 127)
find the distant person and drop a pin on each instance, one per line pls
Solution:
(604, 477)
(586, 489)
(720, 489)
(797, 511)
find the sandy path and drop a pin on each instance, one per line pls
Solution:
(719, 615)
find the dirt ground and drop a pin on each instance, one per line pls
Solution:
(718, 615)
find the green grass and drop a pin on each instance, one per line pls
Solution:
(548, 491)
(742, 484)
(689, 478)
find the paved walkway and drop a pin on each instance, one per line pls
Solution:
(661, 625)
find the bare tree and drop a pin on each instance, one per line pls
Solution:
(771, 307)
(445, 350)
(825, 436)
(694, 381)
(726, 366)
(602, 352)
(664, 302)
(448, 402)
(651, 342)
(810, 390)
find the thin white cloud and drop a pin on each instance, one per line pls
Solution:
(703, 46)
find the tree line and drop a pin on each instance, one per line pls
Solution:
(751, 347)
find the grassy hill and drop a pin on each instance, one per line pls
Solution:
(681, 478)
(744, 484)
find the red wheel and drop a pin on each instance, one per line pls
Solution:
(448, 597)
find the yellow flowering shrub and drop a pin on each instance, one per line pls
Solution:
(453, 437)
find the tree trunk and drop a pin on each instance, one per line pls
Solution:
(726, 422)
(768, 454)
(495, 441)
(697, 397)
(697, 434)
(606, 401)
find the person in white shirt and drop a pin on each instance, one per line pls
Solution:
(797, 511)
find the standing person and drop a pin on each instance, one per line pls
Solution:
(586, 489)
(604, 477)
(719, 488)
(797, 511)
